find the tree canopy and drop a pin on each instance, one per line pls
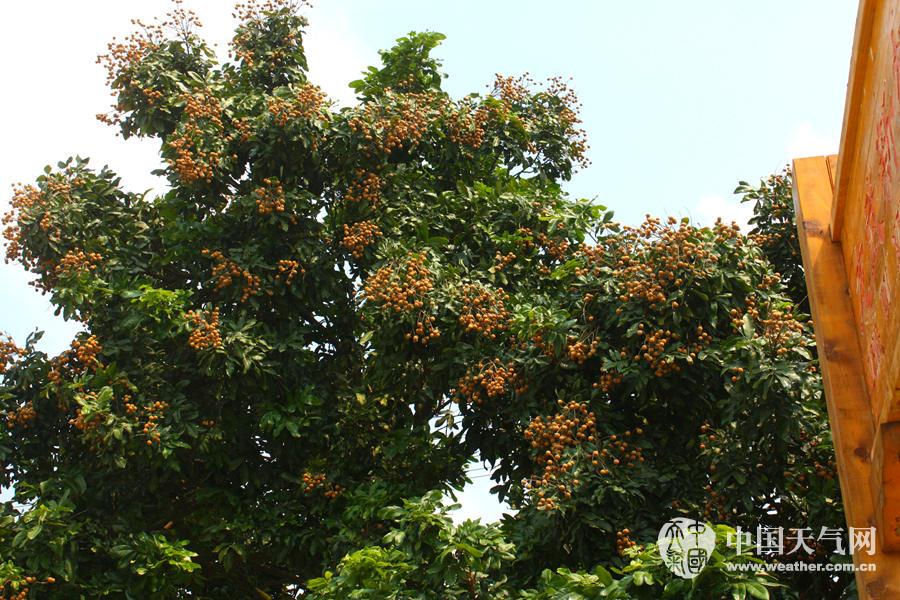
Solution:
(292, 355)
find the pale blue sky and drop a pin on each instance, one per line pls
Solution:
(681, 99)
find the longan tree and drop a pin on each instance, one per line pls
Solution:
(332, 312)
(775, 230)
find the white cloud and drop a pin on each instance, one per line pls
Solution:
(476, 500)
(804, 140)
(711, 207)
(335, 53)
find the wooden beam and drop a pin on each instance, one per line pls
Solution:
(850, 143)
(885, 484)
(846, 393)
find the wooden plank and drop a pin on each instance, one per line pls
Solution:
(859, 64)
(842, 371)
(867, 187)
(832, 161)
(885, 480)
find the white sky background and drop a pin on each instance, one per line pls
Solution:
(52, 89)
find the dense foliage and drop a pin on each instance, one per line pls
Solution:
(290, 355)
(775, 230)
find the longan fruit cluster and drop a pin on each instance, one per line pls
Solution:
(483, 310)
(365, 186)
(737, 318)
(306, 104)
(594, 259)
(738, 373)
(424, 330)
(405, 290)
(8, 351)
(618, 450)
(401, 120)
(360, 235)
(752, 307)
(652, 351)
(708, 434)
(79, 358)
(401, 290)
(779, 327)
(90, 423)
(192, 164)
(243, 131)
(77, 261)
(489, 380)
(554, 248)
(465, 127)
(269, 197)
(569, 118)
(20, 589)
(288, 270)
(623, 541)
(578, 351)
(770, 281)
(651, 260)
(152, 96)
(544, 346)
(313, 481)
(86, 351)
(333, 491)
(225, 271)
(825, 470)
(55, 375)
(553, 440)
(256, 10)
(79, 422)
(526, 238)
(511, 90)
(199, 107)
(515, 94)
(692, 349)
(724, 232)
(206, 330)
(253, 15)
(24, 199)
(241, 51)
(714, 507)
(501, 261)
(26, 203)
(122, 57)
(61, 184)
(22, 417)
(12, 233)
(154, 412)
(782, 330)
(608, 380)
(46, 221)
(22, 594)
(114, 117)
(138, 44)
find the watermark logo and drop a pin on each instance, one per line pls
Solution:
(685, 546)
